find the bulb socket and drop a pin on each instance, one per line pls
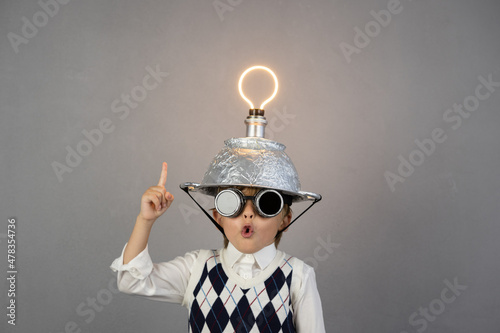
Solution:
(256, 123)
(256, 112)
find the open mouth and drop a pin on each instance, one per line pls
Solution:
(247, 231)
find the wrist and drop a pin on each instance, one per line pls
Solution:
(141, 221)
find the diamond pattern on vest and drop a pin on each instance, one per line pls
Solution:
(220, 305)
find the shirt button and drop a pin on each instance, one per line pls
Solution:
(246, 276)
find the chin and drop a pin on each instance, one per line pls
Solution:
(247, 248)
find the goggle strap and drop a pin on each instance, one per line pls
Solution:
(204, 211)
(295, 219)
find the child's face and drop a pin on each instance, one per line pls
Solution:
(249, 232)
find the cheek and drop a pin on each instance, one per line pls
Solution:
(272, 225)
(229, 226)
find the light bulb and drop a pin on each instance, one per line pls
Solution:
(267, 100)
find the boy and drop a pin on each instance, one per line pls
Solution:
(248, 286)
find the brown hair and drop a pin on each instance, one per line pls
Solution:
(252, 191)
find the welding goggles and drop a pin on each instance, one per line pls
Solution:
(267, 202)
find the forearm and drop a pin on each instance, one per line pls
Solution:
(138, 239)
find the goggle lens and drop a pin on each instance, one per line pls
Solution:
(227, 203)
(270, 203)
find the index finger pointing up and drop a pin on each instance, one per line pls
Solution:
(163, 177)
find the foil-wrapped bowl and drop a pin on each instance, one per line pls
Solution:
(252, 162)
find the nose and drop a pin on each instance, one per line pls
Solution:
(248, 210)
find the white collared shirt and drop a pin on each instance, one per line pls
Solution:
(168, 281)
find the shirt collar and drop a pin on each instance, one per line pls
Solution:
(263, 257)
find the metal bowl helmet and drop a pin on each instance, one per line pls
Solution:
(252, 162)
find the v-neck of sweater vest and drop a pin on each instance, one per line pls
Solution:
(261, 277)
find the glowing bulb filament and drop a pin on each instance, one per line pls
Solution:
(267, 100)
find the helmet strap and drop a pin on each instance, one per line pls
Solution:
(185, 189)
(295, 219)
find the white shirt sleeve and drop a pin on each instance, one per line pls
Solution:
(308, 312)
(166, 281)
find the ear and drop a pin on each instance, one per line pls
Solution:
(286, 221)
(217, 216)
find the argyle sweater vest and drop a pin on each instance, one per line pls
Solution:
(219, 303)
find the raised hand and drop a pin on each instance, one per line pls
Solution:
(156, 200)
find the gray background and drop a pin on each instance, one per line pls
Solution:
(345, 121)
